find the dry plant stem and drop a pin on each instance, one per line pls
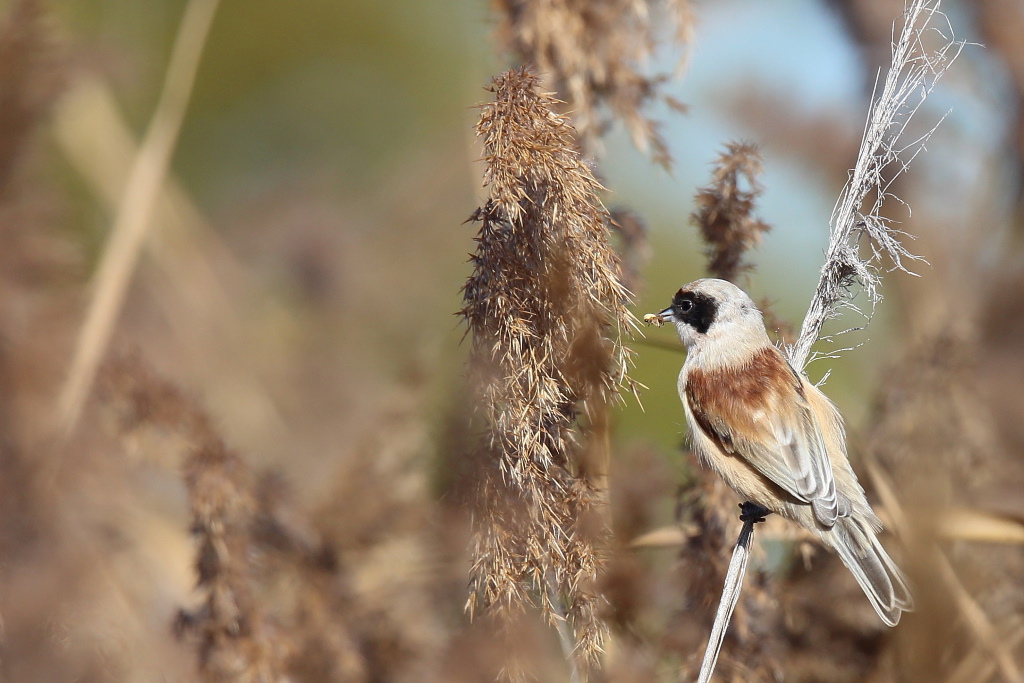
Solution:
(546, 309)
(978, 622)
(978, 667)
(974, 616)
(94, 136)
(197, 268)
(134, 215)
(882, 158)
(565, 636)
(730, 591)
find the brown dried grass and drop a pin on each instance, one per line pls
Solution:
(595, 53)
(233, 639)
(361, 575)
(547, 311)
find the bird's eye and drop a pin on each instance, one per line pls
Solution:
(685, 306)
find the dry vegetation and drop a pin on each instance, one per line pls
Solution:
(595, 54)
(547, 314)
(351, 527)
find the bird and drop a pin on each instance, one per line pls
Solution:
(773, 436)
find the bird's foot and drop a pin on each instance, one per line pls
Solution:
(752, 512)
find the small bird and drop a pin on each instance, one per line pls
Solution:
(773, 436)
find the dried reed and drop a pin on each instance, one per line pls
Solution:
(725, 218)
(724, 212)
(595, 51)
(368, 586)
(934, 405)
(546, 311)
(882, 158)
(234, 642)
(134, 214)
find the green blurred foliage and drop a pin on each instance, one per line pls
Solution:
(362, 112)
(344, 88)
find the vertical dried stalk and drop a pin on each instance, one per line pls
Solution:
(594, 52)
(546, 311)
(135, 211)
(882, 158)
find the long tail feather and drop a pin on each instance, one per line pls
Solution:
(879, 577)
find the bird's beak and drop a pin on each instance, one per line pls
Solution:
(667, 316)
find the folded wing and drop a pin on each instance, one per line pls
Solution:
(759, 412)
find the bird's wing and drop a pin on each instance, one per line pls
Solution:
(761, 414)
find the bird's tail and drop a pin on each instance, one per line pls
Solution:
(885, 585)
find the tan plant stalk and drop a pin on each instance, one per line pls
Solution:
(546, 310)
(134, 214)
(883, 157)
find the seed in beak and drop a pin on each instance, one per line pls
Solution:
(654, 319)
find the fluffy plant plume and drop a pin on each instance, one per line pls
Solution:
(726, 220)
(233, 640)
(725, 207)
(546, 310)
(282, 592)
(595, 52)
(883, 157)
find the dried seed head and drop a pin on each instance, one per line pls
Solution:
(594, 52)
(546, 309)
(725, 210)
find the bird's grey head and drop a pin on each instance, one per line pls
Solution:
(718, 314)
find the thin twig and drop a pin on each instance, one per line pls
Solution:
(91, 130)
(751, 515)
(135, 211)
(196, 268)
(566, 639)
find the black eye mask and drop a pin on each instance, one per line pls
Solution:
(695, 309)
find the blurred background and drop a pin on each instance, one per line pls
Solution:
(294, 295)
